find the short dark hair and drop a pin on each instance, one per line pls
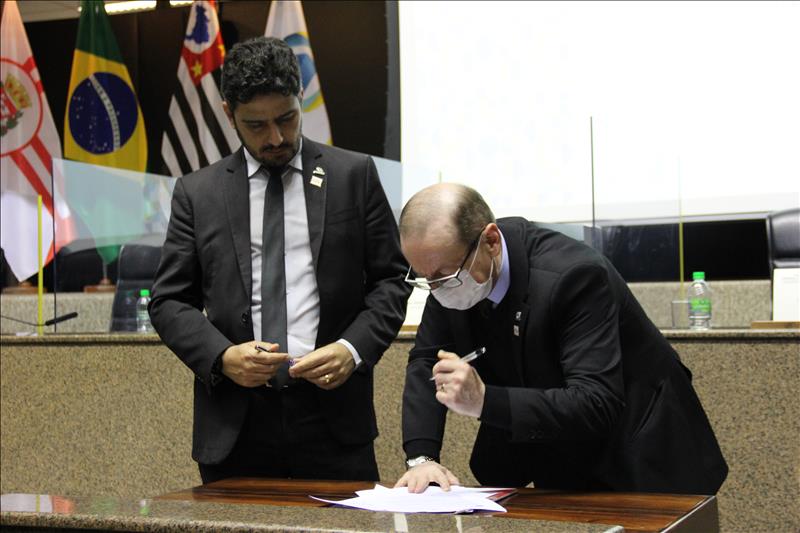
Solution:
(261, 65)
(471, 215)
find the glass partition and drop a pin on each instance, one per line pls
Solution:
(115, 214)
(119, 223)
(107, 246)
(401, 182)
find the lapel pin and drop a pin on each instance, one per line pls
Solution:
(316, 181)
(319, 171)
(518, 316)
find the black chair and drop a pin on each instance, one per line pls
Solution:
(783, 239)
(78, 265)
(137, 264)
(7, 278)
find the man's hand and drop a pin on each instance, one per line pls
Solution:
(419, 477)
(458, 385)
(248, 367)
(327, 367)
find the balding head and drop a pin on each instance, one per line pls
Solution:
(440, 228)
(445, 212)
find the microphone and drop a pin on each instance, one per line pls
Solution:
(54, 320)
(62, 318)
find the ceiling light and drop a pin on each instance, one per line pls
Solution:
(128, 6)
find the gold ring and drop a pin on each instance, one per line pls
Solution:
(441, 387)
(327, 378)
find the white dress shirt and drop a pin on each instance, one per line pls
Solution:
(302, 294)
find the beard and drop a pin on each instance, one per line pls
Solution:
(276, 156)
(269, 155)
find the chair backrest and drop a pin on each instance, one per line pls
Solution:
(78, 265)
(783, 239)
(137, 269)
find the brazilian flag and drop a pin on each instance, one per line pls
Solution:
(103, 123)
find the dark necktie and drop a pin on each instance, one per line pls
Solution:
(273, 273)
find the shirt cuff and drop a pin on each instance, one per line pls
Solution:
(353, 351)
(496, 407)
(215, 375)
(417, 447)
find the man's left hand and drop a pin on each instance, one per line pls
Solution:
(458, 385)
(326, 367)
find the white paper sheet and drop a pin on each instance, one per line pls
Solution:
(432, 500)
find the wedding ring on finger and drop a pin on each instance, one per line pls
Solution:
(326, 378)
(441, 387)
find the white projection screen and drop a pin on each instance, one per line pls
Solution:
(695, 106)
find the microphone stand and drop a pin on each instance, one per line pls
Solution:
(51, 322)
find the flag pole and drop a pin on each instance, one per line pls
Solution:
(680, 234)
(40, 290)
(591, 152)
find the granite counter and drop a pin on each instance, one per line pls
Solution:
(111, 414)
(121, 514)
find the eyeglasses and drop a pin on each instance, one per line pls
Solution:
(450, 281)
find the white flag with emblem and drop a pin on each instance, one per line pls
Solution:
(286, 21)
(28, 144)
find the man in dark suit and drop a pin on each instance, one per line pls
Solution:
(577, 389)
(287, 250)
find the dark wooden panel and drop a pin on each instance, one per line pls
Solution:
(635, 512)
(270, 491)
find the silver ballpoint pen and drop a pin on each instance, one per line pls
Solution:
(471, 356)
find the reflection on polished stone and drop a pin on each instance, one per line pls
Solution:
(36, 503)
(120, 514)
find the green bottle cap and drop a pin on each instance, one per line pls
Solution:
(699, 275)
(144, 292)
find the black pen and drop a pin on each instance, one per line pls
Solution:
(471, 356)
(260, 348)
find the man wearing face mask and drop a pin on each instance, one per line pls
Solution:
(576, 390)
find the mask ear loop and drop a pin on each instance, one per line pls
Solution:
(474, 257)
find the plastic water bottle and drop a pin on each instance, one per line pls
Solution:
(699, 302)
(143, 324)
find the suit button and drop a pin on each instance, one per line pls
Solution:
(245, 318)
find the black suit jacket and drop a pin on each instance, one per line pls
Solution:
(206, 265)
(582, 390)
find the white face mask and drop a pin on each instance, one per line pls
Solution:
(466, 295)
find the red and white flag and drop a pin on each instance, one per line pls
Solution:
(28, 144)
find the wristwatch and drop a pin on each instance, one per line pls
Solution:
(418, 460)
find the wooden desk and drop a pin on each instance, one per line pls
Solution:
(634, 512)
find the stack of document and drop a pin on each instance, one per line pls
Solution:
(433, 500)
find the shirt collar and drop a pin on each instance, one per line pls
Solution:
(253, 165)
(504, 280)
